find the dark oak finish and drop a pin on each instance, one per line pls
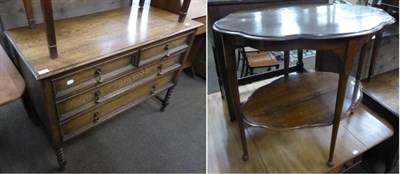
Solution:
(286, 31)
(12, 85)
(281, 104)
(218, 9)
(109, 62)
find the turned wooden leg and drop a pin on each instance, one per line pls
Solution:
(300, 64)
(165, 102)
(286, 57)
(375, 52)
(47, 10)
(183, 11)
(60, 157)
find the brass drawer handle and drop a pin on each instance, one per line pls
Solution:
(96, 117)
(160, 69)
(153, 90)
(97, 97)
(99, 78)
(166, 48)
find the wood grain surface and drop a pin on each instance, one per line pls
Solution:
(298, 101)
(304, 150)
(384, 88)
(85, 39)
(288, 23)
(12, 85)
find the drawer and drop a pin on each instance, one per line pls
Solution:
(94, 74)
(77, 103)
(79, 124)
(164, 49)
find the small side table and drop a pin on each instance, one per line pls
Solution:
(299, 100)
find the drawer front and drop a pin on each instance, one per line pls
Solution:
(164, 49)
(93, 75)
(89, 119)
(78, 103)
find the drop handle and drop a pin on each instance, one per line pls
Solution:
(153, 90)
(99, 78)
(97, 97)
(96, 117)
(160, 69)
(166, 48)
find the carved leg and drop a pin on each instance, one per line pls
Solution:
(60, 157)
(165, 102)
(375, 51)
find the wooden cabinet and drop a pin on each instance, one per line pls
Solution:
(107, 63)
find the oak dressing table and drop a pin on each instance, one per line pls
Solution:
(299, 100)
(103, 64)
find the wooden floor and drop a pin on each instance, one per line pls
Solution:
(384, 88)
(303, 150)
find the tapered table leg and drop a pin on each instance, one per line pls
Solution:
(232, 83)
(350, 52)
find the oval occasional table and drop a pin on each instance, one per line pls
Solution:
(300, 100)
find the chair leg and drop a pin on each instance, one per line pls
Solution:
(238, 58)
(251, 71)
(244, 65)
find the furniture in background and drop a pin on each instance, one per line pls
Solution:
(306, 99)
(103, 64)
(254, 59)
(218, 9)
(12, 85)
(196, 62)
(196, 12)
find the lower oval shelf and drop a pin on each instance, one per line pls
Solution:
(299, 101)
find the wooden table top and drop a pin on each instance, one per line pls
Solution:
(85, 39)
(305, 21)
(12, 85)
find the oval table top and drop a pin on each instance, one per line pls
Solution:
(305, 21)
